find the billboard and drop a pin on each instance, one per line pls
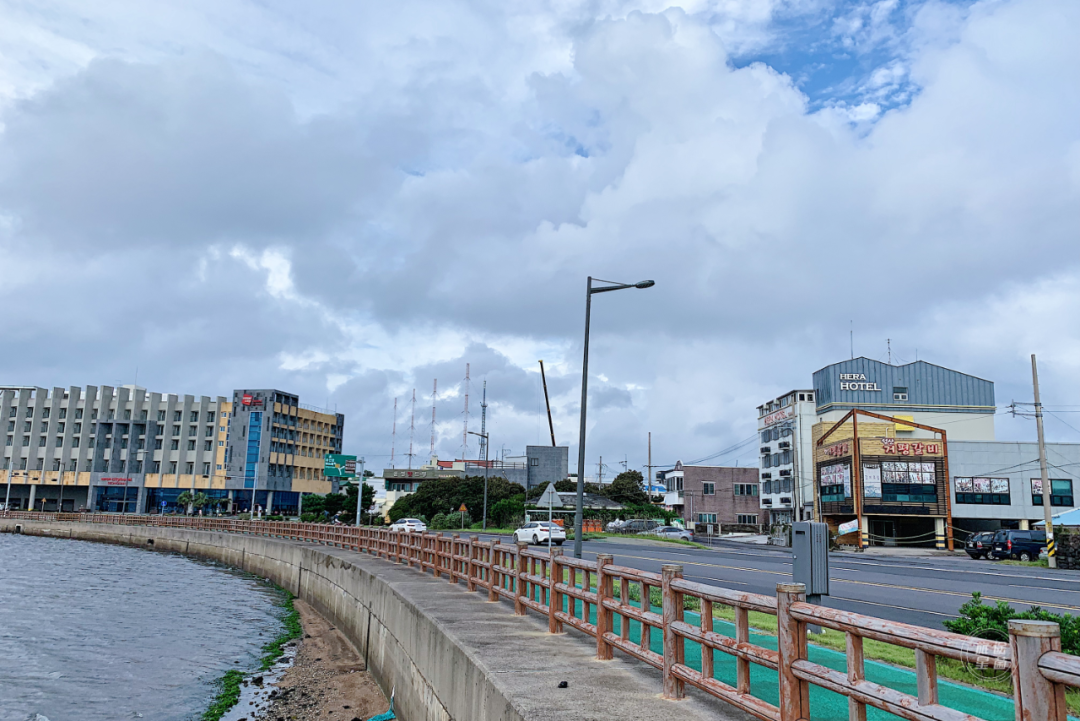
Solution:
(339, 466)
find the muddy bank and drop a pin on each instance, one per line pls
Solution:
(327, 679)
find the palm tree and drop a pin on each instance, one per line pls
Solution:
(187, 500)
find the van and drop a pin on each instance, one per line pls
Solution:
(1021, 545)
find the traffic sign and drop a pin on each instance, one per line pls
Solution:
(550, 497)
(336, 465)
(463, 509)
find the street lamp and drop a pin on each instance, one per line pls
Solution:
(487, 445)
(584, 397)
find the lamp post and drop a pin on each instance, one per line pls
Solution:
(487, 445)
(359, 490)
(589, 290)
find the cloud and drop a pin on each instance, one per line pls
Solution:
(351, 216)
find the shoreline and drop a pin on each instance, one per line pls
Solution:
(327, 679)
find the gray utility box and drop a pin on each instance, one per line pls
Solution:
(810, 556)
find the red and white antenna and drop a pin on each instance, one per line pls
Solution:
(465, 432)
(434, 395)
(393, 435)
(412, 426)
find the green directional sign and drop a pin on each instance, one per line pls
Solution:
(339, 466)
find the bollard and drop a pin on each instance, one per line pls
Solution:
(520, 569)
(554, 601)
(603, 613)
(794, 693)
(673, 644)
(1037, 697)
(470, 580)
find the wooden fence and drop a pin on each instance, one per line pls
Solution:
(582, 594)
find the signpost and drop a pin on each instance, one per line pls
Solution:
(463, 510)
(336, 465)
(549, 497)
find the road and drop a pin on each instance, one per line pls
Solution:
(919, 590)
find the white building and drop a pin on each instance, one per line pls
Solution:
(787, 459)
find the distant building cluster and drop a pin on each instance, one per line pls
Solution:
(125, 449)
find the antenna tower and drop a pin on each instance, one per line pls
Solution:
(888, 342)
(434, 394)
(465, 432)
(393, 435)
(412, 426)
(483, 426)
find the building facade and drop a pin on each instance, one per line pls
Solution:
(129, 450)
(787, 457)
(714, 495)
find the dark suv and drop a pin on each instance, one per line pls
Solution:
(1023, 545)
(978, 544)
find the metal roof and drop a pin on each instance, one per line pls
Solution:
(929, 387)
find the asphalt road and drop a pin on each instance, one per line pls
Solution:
(917, 590)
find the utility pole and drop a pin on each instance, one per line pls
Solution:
(600, 472)
(1048, 513)
(412, 426)
(359, 490)
(650, 467)
(434, 395)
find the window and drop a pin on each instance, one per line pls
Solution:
(63, 413)
(802, 396)
(78, 413)
(193, 430)
(13, 412)
(749, 519)
(767, 487)
(1060, 492)
(77, 428)
(27, 425)
(29, 412)
(899, 394)
(209, 416)
(209, 431)
(785, 458)
(127, 414)
(746, 489)
(26, 441)
(983, 491)
(176, 430)
(9, 440)
(706, 518)
(221, 444)
(93, 414)
(191, 445)
(157, 444)
(206, 469)
(41, 442)
(174, 445)
(45, 412)
(172, 466)
(59, 441)
(161, 415)
(74, 465)
(208, 446)
(534, 461)
(708, 489)
(44, 427)
(142, 415)
(75, 444)
(189, 468)
(11, 425)
(219, 466)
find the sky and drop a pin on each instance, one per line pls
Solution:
(350, 201)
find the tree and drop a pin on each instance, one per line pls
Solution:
(445, 495)
(626, 489)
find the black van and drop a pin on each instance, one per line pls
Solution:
(1022, 545)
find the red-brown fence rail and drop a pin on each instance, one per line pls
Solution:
(590, 595)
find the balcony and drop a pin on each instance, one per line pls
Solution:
(673, 498)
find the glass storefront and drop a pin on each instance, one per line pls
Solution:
(114, 499)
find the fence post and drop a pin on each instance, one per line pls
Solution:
(470, 580)
(493, 576)
(1036, 696)
(521, 568)
(673, 644)
(603, 613)
(396, 535)
(791, 634)
(554, 600)
(455, 541)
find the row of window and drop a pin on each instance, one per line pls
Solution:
(998, 491)
(775, 433)
(773, 460)
(178, 416)
(102, 466)
(781, 485)
(746, 489)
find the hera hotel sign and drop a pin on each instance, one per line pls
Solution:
(857, 382)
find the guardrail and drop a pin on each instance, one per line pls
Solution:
(582, 594)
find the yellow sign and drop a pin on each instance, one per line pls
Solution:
(463, 509)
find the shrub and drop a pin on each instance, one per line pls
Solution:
(992, 622)
(310, 517)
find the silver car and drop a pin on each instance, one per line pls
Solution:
(679, 534)
(538, 532)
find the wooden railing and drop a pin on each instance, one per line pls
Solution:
(590, 596)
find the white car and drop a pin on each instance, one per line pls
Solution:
(539, 531)
(679, 534)
(409, 525)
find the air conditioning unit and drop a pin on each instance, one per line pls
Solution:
(766, 449)
(785, 473)
(785, 444)
(767, 476)
(766, 501)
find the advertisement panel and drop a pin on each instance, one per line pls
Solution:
(336, 465)
(872, 481)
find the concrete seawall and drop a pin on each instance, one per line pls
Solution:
(448, 653)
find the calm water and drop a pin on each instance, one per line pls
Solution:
(91, 631)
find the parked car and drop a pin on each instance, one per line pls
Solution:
(675, 532)
(637, 525)
(978, 545)
(539, 531)
(1021, 545)
(615, 526)
(409, 525)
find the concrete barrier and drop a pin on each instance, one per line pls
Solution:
(447, 657)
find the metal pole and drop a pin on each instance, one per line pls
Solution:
(1048, 514)
(581, 432)
(547, 402)
(359, 491)
(487, 444)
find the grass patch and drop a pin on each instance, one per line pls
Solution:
(1042, 562)
(229, 684)
(275, 649)
(227, 696)
(676, 541)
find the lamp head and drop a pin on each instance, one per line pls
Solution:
(645, 284)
